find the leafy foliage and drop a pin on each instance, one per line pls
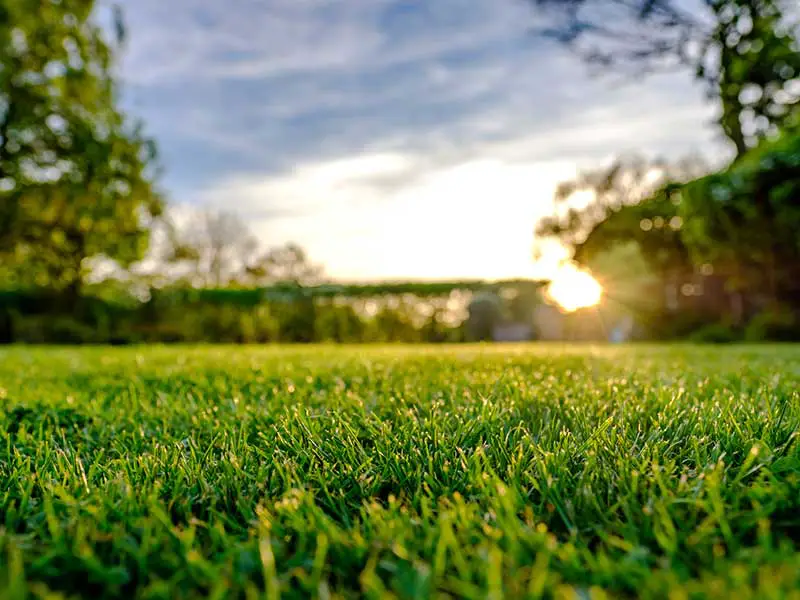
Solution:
(745, 220)
(738, 224)
(628, 201)
(287, 264)
(75, 174)
(746, 52)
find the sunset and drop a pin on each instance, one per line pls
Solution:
(572, 289)
(399, 299)
(399, 112)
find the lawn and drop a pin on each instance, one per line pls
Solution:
(504, 471)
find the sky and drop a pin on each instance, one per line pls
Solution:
(393, 139)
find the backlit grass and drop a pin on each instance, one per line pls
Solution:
(509, 471)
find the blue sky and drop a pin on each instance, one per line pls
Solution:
(391, 138)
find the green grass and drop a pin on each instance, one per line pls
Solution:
(514, 471)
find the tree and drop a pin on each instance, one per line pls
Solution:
(740, 223)
(216, 245)
(746, 52)
(627, 275)
(289, 265)
(627, 211)
(608, 204)
(217, 249)
(207, 248)
(76, 175)
(744, 220)
(285, 264)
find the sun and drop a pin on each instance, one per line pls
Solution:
(572, 289)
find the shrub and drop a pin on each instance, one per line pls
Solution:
(715, 333)
(53, 330)
(779, 325)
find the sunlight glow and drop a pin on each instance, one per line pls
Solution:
(572, 289)
(399, 211)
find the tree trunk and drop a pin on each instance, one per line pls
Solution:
(72, 292)
(727, 89)
(9, 209)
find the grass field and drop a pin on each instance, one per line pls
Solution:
(513, 471)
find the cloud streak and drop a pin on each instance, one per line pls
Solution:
(311, 114)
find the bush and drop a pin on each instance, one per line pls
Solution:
(41, 318)
(715, 333)
(775, 325)
(53, 330)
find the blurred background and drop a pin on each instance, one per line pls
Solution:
(399, 170)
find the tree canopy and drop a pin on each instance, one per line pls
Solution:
(745, 220)
(622, 202)
(76, 174)
(745, 52)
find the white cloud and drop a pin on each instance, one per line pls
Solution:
(202, 39)
(467, 219)
(343, 183)
(446, 211)
(388, 141)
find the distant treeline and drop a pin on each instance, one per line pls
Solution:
(91, 252)
(232, 316)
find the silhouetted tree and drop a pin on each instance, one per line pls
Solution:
(583, 205)
(284, 264)
(212, 248)
(630, 204)
(745, 51)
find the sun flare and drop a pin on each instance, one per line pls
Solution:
(573, 289)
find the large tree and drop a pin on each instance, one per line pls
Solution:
(76, 175)
(629, 210)
(745, 220)
(745, 51)
(624, 201)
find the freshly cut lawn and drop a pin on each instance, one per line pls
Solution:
(505, 471)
